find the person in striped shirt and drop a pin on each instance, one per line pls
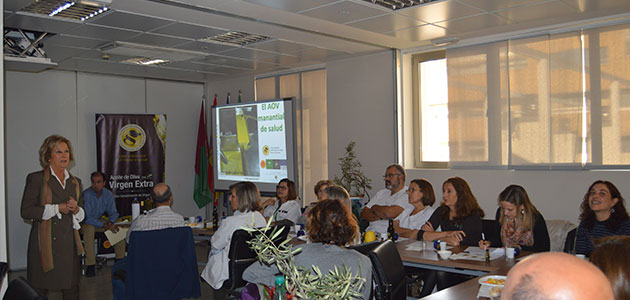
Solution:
(161, 216)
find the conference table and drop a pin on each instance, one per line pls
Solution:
(428, 259)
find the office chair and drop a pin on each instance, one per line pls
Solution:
(241, 256)
(20, 289)
(389, 272)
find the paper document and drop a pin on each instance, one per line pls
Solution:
(478, 254)
(118, 236)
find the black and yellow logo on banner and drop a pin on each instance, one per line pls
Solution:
(131, 137)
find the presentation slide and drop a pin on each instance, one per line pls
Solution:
(254, 142)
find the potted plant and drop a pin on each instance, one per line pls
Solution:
(352, 177)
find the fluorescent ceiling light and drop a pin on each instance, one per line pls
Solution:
(145, 61)
(150, 52)
(68, 9)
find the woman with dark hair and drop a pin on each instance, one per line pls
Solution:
(421, 196)
(245, 202)
(459, 216)
(330, 226)
(50, 204)
(284, 206)
(611, 256)
(521, 225)
(603, 214)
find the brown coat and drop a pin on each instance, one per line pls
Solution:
(67, 263)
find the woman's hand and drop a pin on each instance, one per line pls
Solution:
(427, 227)
(72, 205)
(451, 240)
(63, 208)
(271, 201)
(484, 244)
(456, 236)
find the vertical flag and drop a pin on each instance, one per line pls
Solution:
(204, 186)
(239, 96)
(228, 99)
(215, 100)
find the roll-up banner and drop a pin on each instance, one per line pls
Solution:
(131, 151)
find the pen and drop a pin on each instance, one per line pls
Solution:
(483, 238)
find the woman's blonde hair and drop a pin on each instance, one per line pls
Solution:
(247, 195)
(335, 192)
(516, 195)
(45, 151)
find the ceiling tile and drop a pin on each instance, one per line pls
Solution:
(15, 5)
(386, 23)
(419, 33)
(280, 46)
(73, 41)
(98, 55)
(595, 5)
(474, 23)
(41, 23)
(492, 5)
(59, 53)
(247, 53)
(280, 60)
(131, 21)
(204, 47)
(188, 31)
(537, 11)
(292, 5)
(103, 32)
(226, 61)
(440, 11)
(157, 40)
(344, 12)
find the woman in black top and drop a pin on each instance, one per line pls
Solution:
(459, 216)
(521, 225)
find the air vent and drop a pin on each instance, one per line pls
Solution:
(399, 4)
(145, 61)
(236, 38)
(76, 10)
(149, 52)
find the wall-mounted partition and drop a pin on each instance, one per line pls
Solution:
(60, 102)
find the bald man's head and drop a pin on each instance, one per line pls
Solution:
(555, 276)
(161, 194)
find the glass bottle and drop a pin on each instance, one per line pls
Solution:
(279, 293)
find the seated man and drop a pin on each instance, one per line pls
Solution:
(98, 201)
(161, 216)
(556, 275)
(388, 203)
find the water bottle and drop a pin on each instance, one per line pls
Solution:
(215, 219)
(279, 293)
(391, 233)
(135, 208)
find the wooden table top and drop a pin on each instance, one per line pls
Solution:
(203, 231)
(466, 290)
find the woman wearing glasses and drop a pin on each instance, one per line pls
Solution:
(284, 206)
(421, 196)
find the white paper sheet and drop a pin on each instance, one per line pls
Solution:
(118, 236)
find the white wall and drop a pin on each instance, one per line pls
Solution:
(361, 109)
(41, 104)
(221, 88)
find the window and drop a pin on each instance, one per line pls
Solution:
(553, 101)
(309, 89)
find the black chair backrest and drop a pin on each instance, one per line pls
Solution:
(365, 248)
(20, 289)
(389, 272)
(241, 256)
(4, 268)
(569, 242)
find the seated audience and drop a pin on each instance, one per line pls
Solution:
(388, 203)
(611, 256)
(161, 216)
(521, 224)
(284, 206)
(245, 202)
(421, 197)
(459, 217)
(603, 214)
(555, 275)
(330, 227)
(98, 201)
(319, 193)
(336, 192)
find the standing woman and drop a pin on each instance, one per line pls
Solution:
(603, 214)
(245, 202)
(521, 224)
(283, 206)
(50, 204)
(421, 196)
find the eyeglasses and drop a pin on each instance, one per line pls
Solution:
(281, 187)
(390, 175)
(413, 190)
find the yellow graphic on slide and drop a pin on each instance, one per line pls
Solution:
(239, 141)
(265, 150)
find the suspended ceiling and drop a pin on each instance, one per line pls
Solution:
(301, 32)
